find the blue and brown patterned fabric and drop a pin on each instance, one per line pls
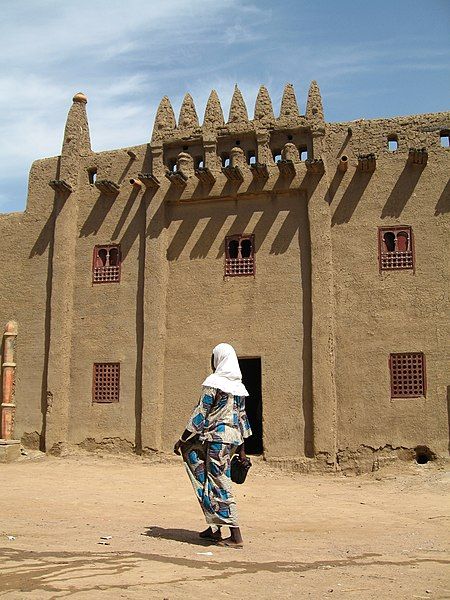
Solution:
(220, 417)
(208, 465)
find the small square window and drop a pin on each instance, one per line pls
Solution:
(408, 378)
(106, 264)
(106, 382)
(251, 157)
(392, 143)
(303, 152)
(239, 255)
(445, 138)
(395, 248)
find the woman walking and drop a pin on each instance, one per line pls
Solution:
(216, 430)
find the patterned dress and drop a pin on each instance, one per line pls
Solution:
(218, 425)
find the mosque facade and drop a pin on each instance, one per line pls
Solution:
(319, 250)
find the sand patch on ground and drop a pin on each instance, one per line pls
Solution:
(377, 536)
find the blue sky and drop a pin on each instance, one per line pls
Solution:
(371, 59)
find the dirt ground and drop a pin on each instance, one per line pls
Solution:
(377, 536)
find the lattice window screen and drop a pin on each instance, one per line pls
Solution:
(407, 375)
(239, 255)
(106, 382)
(396, 250)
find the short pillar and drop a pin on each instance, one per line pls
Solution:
(9, 448)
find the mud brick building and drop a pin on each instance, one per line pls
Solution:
(319, 250)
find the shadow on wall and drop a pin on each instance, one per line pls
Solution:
(402, 191)
(448, 415)
(218, 216)
(350, 198)
(138, 231)
(443, 204)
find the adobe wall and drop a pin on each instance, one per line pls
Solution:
(261, 315)
(318, 313)
(392, 311)
(25, 247)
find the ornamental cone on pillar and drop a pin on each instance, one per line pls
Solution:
(165, 119)
(188, 115)
(289, 106)
(314, 107)
(76, 142)
(213, 112)
(263, 107)
(238, 110)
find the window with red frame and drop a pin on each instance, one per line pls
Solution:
(407, 375)
(106, 264)
(396, 249)
(239, 255)
(106, 382)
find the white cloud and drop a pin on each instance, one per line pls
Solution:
(126, 55)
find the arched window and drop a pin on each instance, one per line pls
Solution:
(395, 248)
(239, 255)
(389, 241)
(106, 264)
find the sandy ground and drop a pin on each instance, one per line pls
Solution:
(383, 535)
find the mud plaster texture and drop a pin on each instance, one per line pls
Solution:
(306, 536)
(318, 312)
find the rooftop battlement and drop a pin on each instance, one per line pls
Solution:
(166, 128)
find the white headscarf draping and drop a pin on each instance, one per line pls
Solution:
(227, 376)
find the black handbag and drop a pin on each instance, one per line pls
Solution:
(239, 469)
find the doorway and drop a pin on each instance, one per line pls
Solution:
(251, 378)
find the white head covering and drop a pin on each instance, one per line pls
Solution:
(227, 376)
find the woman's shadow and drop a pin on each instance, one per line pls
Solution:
(186, 536)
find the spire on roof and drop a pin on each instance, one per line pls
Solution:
(263, 106)
(188, 115)
(238, 110)
(213, 112)
(289, 107)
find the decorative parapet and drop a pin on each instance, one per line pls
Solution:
(260, 171)
(418, 156)
(233, 173)
(289, 107)
(164, 120)
(314, 107)
(188, 118)
(149, 180)
(315, 166)
(367, 162)
(263, 108)
(286, 168)
(177, 178)
(108, 187)
(205, 175)
(238, 111)
(290, 153)
(61, 186)
(213, 112)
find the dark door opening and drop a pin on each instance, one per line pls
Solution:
(251, 378)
